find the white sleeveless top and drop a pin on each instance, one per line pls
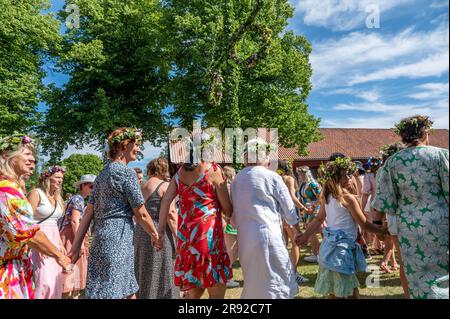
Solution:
(45, 208)
(338, 217)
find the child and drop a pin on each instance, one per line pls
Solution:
(340, 256)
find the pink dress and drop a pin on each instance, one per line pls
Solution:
(76, 280)
(49, 277)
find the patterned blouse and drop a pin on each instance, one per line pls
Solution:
(17, 227)
(413, 187)
(76, 202)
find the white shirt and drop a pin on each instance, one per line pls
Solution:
(45, 208)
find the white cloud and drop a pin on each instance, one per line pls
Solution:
(342, 15)
(370, 96)
(435, 65)
(361, 57)
(439, 4)
(386, 115)
(431, 91)
(367, 95)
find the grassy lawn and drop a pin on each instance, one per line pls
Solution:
(389, 288)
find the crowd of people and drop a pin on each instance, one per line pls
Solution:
(170, 237)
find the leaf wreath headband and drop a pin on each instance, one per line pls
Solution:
(258, 144)
(413, 121)
(52, 170)
(13, 142)
(128, 134)
(335, 169)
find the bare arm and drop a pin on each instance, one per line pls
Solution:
(173, 218)
(75, 220)
(41, 243)
(220, 184)
(81, 233)
(166, 201)
(291, 187)
(313, 226)
(144, 219)
(34, 199)
(353, 207)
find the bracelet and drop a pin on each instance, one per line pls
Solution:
(377, 222)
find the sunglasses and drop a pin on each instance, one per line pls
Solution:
(91, 186)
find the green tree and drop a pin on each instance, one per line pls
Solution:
(236, 66)
(118, 69)
(78, 165)
(229, 62)
(27, 37)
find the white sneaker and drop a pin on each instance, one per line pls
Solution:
(300, 279)
(232, 284)
(311, 259)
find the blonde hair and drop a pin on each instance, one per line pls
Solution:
(44, 185)
(7, 158)
(229, 173)
(309, 178)
(333, 187)
(158, 166)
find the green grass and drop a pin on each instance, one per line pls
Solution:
(390, 286)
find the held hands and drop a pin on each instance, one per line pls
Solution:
(157, 240)
(301, 239)
(383, 232)
(64, 262)
(74, 255)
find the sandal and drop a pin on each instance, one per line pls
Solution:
(384, 268)
(395, 267)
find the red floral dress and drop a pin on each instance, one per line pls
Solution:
(201, 260)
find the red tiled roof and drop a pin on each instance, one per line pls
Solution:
(356, 143)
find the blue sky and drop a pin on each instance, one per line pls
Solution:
(366, 77)
(371, 78)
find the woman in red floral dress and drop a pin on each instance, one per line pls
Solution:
(201, 261)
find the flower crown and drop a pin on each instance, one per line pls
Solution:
(335, 169)
(253, 146)
(128, 134)
(413, 121)
(13, 142)
(388, 150)
(52, 170)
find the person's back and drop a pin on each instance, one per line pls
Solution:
(112, 192)
(254, 201)
(260, 199)
(417, 174)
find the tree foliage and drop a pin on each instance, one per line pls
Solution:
(237, 67)
(26, 39)
(78, 165)
(229, 62)
(118, 70)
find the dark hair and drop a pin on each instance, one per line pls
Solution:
(413, 129)
(336, 155)
(283, 165)
(137, 170)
